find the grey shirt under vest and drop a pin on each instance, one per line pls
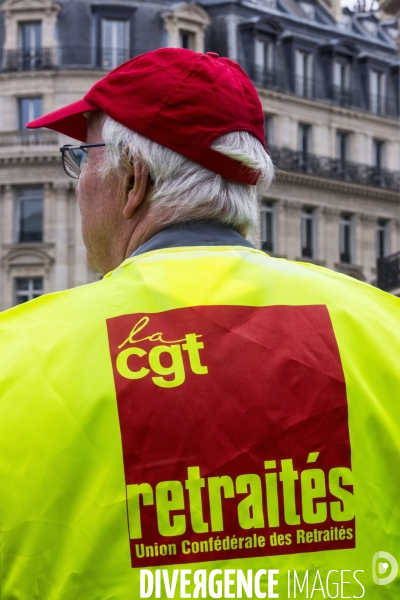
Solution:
(193, 233)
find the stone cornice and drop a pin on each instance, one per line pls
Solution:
(52, 157)
(186, 12)
(330, 214)
(95, 73)
(368, 220)
(291, 208)
(60, 186)
(337, 111)
(28, 6)
(34, 158)
(28, 246)
(341, 187)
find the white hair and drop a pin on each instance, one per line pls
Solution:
(182, 189)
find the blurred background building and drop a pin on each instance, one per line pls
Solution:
(390, 9)
(328, 80)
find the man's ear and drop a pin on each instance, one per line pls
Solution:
(136, 183)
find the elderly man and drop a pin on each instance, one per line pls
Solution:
(205, 421)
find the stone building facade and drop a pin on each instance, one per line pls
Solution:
(328, 80)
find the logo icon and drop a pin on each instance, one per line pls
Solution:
(173, 348)
(380, 566)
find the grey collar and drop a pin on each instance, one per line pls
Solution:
(193, 233)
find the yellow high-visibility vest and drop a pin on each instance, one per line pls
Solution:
(206, 409)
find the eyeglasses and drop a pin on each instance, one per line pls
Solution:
(74, 157)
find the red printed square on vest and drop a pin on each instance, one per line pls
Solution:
(234, 428)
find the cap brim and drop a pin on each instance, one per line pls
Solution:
(69, 120)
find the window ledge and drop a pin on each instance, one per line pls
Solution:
(273, 254)
(355, 271)
(312, 261)
(28, 246)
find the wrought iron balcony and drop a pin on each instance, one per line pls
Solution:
(270, 79)
(70, 57)
(345, 97)
(307, 87)
(383, 106)
(28, 138)
(313, 89)
(287, 159)
(389, 272)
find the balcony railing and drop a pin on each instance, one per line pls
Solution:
(287, 159)
(28, 138)
(383, 106)
(70, 57)
(389, 272)
(313, 89)
(345, 97)
(272, 80)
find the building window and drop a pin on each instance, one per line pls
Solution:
(342, 153)
(30, 215)
(308, 233)
(30, 35)
(382, 238)
(264, 56)
(303, 74)
(269, 130)
(30, 44)
(187, 39)
(265, 75)
(377, 92)
(185, 24)
(309, 9)
(378, 154)
(115, 47)
(304, 146)
(268, 227)
(28, 109)
(378, 161)
(27, 288)
(371, 27)
(345, 238)
(341, 83)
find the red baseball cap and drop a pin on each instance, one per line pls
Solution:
(181, 99)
